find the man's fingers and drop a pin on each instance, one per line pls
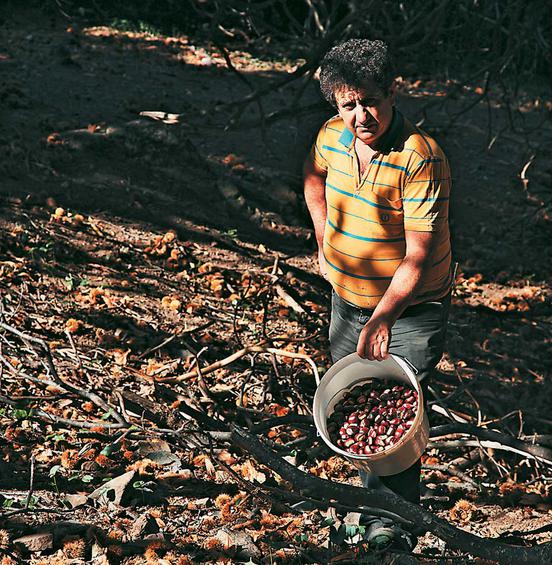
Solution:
(377, 350)
(381, 349)
(384, 349)
(373, 350)
(365, 347)
(361, 345)
(374, 347)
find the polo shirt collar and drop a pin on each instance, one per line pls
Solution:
(388, 141)
(346, 138)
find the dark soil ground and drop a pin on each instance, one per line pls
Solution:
(125, 232)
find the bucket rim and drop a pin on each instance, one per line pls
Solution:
(344, 362)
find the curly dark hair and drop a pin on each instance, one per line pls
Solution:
(352, 62)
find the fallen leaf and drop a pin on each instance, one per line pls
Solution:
(171, 303)
(250, 473)
(108, 300)
(120, 356)
(169, 237)
(94, 294)
(226, 457)
(72, 325)
(39, 541)
(278, 409)
(232, 159)
(175, 305)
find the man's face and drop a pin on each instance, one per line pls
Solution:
(366, 111)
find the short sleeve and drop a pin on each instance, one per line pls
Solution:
(426, 194)
(317, 154)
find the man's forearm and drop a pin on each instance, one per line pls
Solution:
(315, 198)
(375, 337)
(402, 290)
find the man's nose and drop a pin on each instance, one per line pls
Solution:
(361, 113)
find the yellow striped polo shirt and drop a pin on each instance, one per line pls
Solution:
(405, 187)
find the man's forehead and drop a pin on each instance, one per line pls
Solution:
(367, 89)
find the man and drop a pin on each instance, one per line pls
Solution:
(377, 189)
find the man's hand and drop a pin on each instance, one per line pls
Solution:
(322, 263)
(374, 339)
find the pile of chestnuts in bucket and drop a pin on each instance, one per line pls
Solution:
(372, 417)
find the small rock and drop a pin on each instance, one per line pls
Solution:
(241, 542)
(144, 526)
(114, 489)
(152, 446)
(76, 500)
(39, 541)
(159, 452)
(99, 555)
(163, 458)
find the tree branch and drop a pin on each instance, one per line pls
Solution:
(320, 489)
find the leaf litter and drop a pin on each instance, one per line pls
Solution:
(123, 302)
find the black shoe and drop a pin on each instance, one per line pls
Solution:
(383, 534)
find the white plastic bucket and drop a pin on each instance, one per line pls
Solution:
(352, 371)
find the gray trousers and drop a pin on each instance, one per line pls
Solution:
(418, 335)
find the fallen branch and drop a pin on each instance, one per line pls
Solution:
(289, 300)
(323, 505)
(238, 355)
(56, 379)
(491, 438)
(495, 440)
(31, 483)
(52, 419)
(311, 63)
(324, 490)
(282, 420)
(461, 443)
(26, 510)
(454, 472)
(327, 493)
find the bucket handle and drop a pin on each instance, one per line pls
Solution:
(409, 363)
(405, 359)
(316, 375)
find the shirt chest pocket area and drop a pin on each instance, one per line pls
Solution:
(388, 195)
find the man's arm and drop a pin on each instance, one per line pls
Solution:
(315, 196)
(375, 337)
